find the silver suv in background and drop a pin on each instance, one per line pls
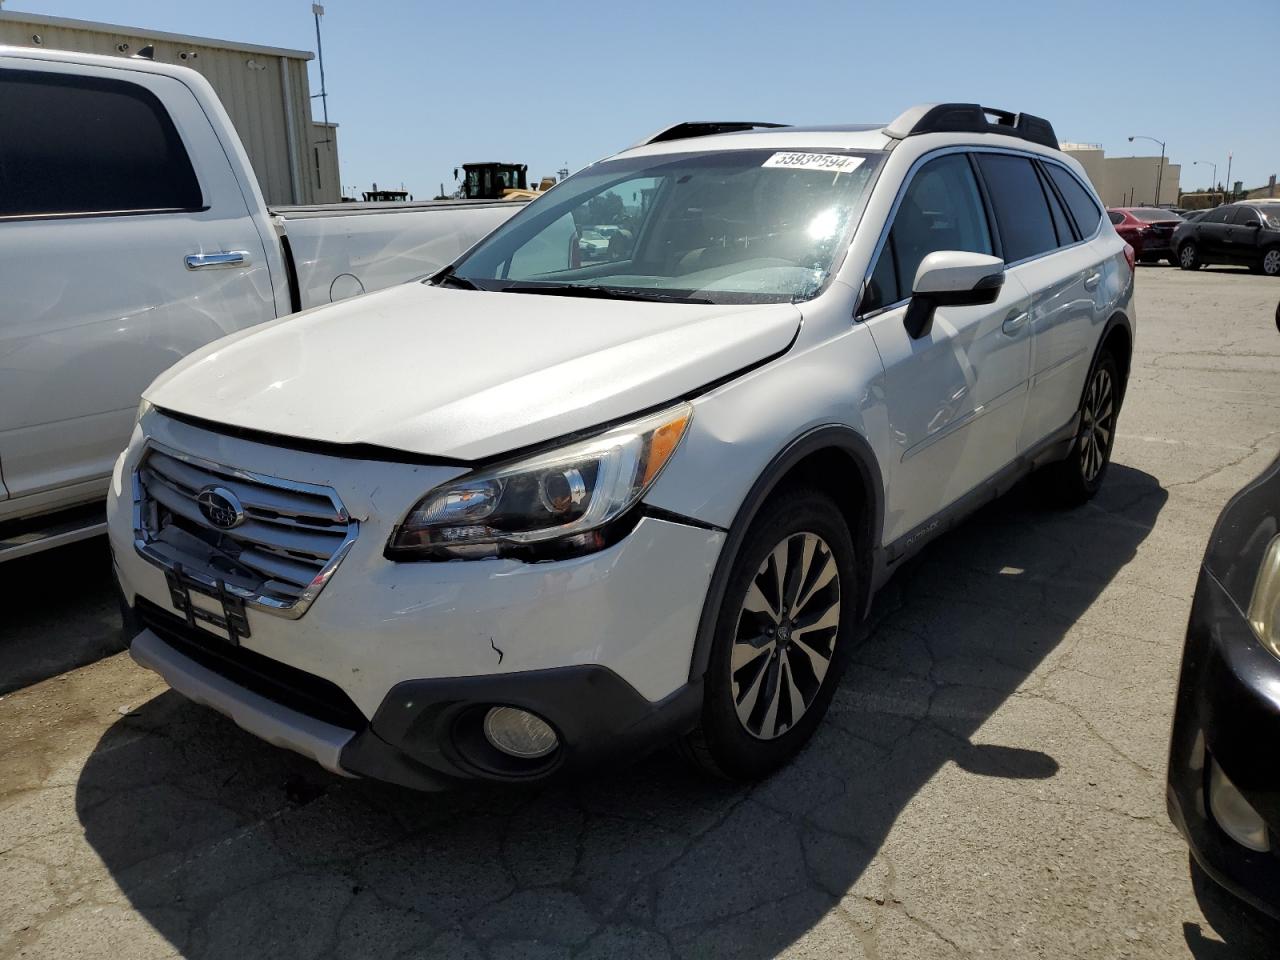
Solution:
(632, 468)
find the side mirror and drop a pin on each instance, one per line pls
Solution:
(1252, 224)
(951, 278)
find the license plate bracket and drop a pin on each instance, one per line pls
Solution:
(232, 618)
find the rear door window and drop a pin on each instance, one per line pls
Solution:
(1243, 215)
(1084, 209)
(1022, 213)
(1217, 215)
(83, 145)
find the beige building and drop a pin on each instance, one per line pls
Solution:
(1127, 181)
(264, 89)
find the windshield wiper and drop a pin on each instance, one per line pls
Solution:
(447, 278)
(603, 293)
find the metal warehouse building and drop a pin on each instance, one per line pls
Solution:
(265, 90)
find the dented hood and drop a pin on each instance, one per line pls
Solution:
(466, 374)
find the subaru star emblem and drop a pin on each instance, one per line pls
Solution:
(221, 507)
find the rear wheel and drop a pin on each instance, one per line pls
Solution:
(1189, 256)
(1077, 478)
(781, 640)
(1271, 262)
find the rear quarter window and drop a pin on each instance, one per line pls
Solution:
(1084, 209)
(83, 145)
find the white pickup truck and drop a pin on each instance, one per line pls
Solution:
(132, 231)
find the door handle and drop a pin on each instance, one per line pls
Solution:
(1091, 282)
(1015, 323)
(229, 258)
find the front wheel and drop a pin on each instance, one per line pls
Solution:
(1079, 477)
(1271, 262)
(781, 640)
(1189, 256)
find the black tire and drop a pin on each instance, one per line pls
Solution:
(1189, 256)
(1079, 477)
(722, 743)
(1269, 264)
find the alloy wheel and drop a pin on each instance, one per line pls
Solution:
(1097, 422)
(1271, 263)
(1187, 255)
(785, 635)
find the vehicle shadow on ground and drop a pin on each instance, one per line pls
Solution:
(58, 611)
(231, 848)
(1245, 931)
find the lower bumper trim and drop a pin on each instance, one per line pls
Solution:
(278, 725)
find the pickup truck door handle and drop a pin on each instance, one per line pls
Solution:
(1092, 280)
(1015, 323)
(229, 258)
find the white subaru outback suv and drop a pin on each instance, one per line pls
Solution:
(631, 469)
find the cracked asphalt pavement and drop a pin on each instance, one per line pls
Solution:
(990, 780)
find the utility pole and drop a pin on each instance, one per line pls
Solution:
(1229, 173)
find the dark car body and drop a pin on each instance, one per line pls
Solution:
(1149, 230)
(1246, 233)
(1227, 716)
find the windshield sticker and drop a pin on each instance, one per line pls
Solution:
(831, 162)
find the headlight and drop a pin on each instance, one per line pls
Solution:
(144, 407)
(1264, 607)
(558, 501)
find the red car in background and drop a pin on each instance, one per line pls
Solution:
(1149, 230)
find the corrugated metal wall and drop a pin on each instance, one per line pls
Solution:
(251, 83)
(324, 160)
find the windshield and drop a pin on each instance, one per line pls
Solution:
(1154, 215)
(742, 226)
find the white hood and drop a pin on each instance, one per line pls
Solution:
(466, 374)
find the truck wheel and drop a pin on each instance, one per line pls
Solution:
(1271, 262)
(782, 638)
(1189, 256)
(1078, 477)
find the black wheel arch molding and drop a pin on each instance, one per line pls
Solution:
(865, 506)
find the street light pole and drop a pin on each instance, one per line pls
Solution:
(1213, 186)
(1160, 169)
(317, 10)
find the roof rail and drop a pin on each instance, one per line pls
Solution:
(705, 128)
(971, 118)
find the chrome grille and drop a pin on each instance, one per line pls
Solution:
(287, 539)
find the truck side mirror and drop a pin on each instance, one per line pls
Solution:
(951, 278)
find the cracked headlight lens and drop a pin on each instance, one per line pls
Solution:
(556, 501)
(1264, 606)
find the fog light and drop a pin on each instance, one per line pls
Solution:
(1233, 813)
(519, 733)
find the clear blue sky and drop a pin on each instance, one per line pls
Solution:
(420, 87)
